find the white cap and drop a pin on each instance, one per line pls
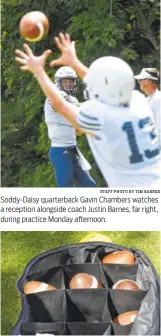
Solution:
(148, 73)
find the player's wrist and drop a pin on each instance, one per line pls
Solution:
(38, 71)
(74, 62)
(79, 68)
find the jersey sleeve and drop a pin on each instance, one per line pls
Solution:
(91, 116)
(48, 105)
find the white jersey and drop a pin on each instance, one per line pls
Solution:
(125, 145)
(60, 130)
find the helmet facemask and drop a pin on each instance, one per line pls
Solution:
(68, 85)
(66, 80)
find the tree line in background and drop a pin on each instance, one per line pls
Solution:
(127, 29)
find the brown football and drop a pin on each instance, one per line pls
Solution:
(84, 280)
(34, 26)
(126, 318)
(127, 285)
(119, 257)
(37, 286)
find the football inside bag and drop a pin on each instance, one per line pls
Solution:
(88, 311)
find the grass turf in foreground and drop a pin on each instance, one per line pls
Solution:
(19, 247)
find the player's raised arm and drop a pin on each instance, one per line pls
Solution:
(68, 55)
(36, 65)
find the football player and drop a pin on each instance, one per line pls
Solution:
(68, 162)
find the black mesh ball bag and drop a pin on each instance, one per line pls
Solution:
(88, 311)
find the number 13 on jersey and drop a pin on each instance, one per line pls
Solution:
(138, 156)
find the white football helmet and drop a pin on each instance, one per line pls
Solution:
(110, 80)
(65, 72)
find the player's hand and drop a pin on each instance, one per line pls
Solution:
(30, 62)
(67, 48)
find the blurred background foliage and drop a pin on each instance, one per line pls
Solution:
(127, 29)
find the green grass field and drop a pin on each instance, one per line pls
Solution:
(19, 247)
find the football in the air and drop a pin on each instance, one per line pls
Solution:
(34, 26)
(119, 257)
(126, 318)
(84, 280)
(126, 284)
(37, 286)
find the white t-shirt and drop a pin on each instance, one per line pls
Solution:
(60, 130)
(155, 104)
(125, 145)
